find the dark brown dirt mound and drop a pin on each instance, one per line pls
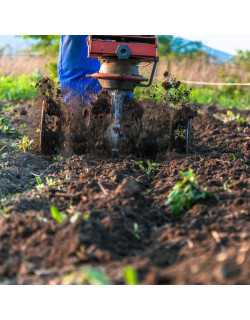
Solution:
(148, 128)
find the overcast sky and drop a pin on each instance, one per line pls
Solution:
(227, 43)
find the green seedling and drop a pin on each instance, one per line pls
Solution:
(136, 230)
(149, 167)
(57, 215)
(180, 133)
(24, 144)
(232, 157)
(51, 182)
(185, 193)
(57, 158)
(6, 128)
(130, 275)
(39, 183)
(86, 276)
(86, 216)
(231, 116)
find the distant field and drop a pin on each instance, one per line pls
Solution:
(22, 64)
(185, 69)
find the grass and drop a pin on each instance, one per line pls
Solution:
(185, 193)
(16, 88)
(226, 97)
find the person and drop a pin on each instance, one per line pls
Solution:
(73, 67)
(77, 89)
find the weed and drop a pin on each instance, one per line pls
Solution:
(180, 133)
(39, 183)
(171, 91)
(136, 230)
(57, 158)
(50, 182)
(86, 216)
(86, 276)
(6, 128)
(58, 216)
(185, 193)
(149, 167)
(231, 116)
(24, 144)
(130, 275)
(232, 157)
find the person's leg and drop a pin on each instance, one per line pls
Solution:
(77, 89)
(73, 66)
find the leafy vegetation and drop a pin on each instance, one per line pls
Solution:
(222, 97)
(242, 59)
(6, 127)
(86, 275)
(149, 167)
(234, 98)
(57, 215)
(130, 275)
(24, 144)
(168, 44)
(45, 44)
(16, 88)
(185, 193)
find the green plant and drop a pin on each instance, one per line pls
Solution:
(231, 116)
(45, 44)
(57, 215)
(23, 87)
(185, 193)
(86, 216)
(39, 182)
(6, 128)
(232, 157)
(222, 97)
(149, 167)
(86, 276)
(136, 231)
(171, 92)
(130, 275)
(24, 144)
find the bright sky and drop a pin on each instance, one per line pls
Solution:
(227, 43)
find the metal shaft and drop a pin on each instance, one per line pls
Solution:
(117, 99)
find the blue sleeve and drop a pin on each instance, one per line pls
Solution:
(74, 65)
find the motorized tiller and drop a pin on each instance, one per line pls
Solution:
(121, 57)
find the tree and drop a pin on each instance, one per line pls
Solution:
(171, 46)
(48, 44)
(177, 46)
(242, 59)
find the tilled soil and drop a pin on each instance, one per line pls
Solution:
(117, 214)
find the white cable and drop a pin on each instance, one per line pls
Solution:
(203, 83)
